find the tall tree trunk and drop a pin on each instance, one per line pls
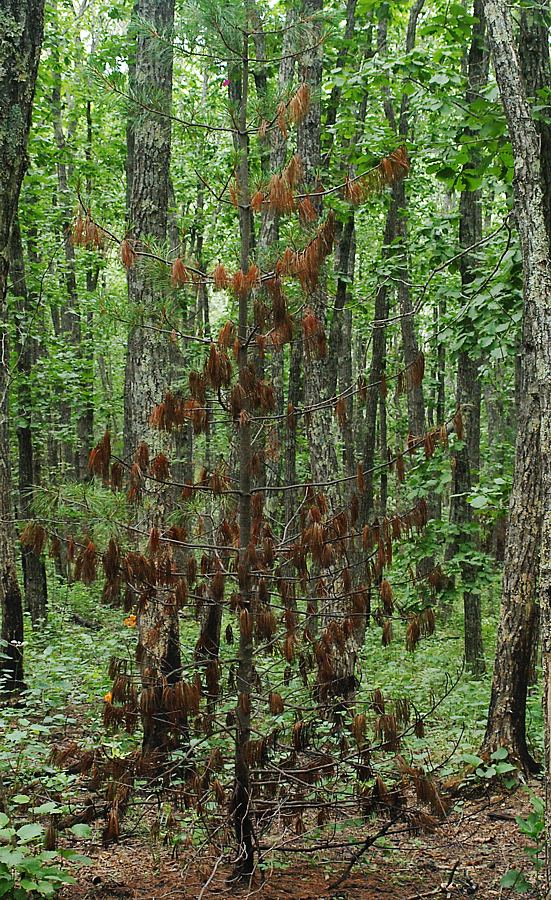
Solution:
(23, 22)
(242, 797)
(147, 359)
(69, 329)
(85, 416)
(534, 242)
(415, 396)
(320, 423)
(148, 352)
(267, 237)
(376, 372)
(34, 569)
(467, 459)
(506, 724)
(294, 393)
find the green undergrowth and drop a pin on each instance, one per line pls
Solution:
(66, 671)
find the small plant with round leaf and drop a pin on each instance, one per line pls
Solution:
(26, 869)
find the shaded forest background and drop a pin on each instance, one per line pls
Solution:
(274, 471)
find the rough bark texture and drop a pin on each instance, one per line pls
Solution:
(536, 69)
(147, 360)
(148, 353)
(507, 713)
(34, 569)
(268, 235)
(319, 423)
(242, 798)
(22, 26)
(467, 459)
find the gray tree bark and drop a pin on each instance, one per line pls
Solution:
(467, 459)
(242, 799)
(506, 724)
(34, 568)
(147, 359)
(148, 352)
(319, 423)
(23, 22)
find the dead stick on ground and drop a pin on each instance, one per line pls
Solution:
(359, 853)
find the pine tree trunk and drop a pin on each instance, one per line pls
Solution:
(19, 55)
(268, 235)
(242, 796)
(506, 724)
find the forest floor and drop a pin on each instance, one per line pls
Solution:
(466, 855)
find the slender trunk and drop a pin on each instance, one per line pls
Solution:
(467, 459)
(34, 569)
(383, 493)
(294, 394)
(441, 369)
(242, 797)
(85, 416)
(69, 316)
(23, 22)
(267, 237)
(319, 423)
(376, 372)
(415, 395)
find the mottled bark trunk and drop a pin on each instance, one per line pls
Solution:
(147, 360)
(336, 90)
(526, 550)
(148, 352)
(345, 387)
(441, 368)
(383, 447)
(467, 459)
(320, 422)
(34, 569)
(19, 56)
